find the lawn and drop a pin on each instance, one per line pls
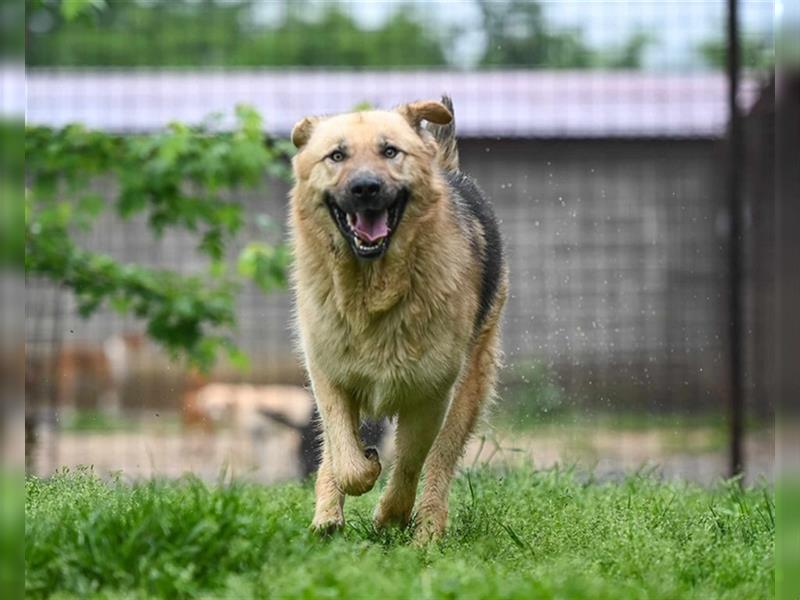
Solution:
(517, 534)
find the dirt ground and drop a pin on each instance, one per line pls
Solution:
(272, 456)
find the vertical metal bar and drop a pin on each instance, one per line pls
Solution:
(734, 177)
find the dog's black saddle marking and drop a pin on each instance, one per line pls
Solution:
(471, 199)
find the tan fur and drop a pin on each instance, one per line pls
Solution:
(444, 134)
(393, 336)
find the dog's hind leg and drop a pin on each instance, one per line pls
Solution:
(475, 388)
(416, 430)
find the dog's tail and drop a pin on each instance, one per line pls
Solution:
(446, 138)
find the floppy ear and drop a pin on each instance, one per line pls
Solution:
(302, 131)
(425, 110)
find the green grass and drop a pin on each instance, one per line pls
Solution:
(11, 532)
(678, 432)
(90, 420)
(517, 534)
(97, 421)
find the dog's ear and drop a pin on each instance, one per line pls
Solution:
(425, 110)
(302, 130)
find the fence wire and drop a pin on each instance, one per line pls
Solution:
(608, 186)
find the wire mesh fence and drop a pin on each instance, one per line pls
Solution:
(607, 177)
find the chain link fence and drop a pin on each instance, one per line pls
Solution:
(609, 184)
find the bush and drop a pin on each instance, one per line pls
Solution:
(180, 178)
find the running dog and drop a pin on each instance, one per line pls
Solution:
(399, 281)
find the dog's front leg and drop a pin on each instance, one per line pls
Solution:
(352, 469)
(329, 508)
(416, 430)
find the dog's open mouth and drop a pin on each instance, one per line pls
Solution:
(368, 232)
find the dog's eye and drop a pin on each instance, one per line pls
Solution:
(337, 156)
(390, 152)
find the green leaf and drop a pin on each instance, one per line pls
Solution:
(239, 359)
(71, 9)
(265, 265)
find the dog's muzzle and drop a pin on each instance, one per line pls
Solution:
(368, 215)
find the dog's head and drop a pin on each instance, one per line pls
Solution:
(362, 173)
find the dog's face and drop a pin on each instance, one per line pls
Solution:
(359, 171)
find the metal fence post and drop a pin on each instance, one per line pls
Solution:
(734, 192)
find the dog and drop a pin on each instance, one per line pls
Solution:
(399, 282)
(244, 406)
(250, 412)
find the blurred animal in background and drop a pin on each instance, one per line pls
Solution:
(254, 410)
(93, 376)
(193, 417)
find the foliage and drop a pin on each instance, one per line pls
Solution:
(232, 34)
(532, 396)
(180, 178)
(12, 533)
(12, 30)
(222, 33)
(71, 9)
(516, 534)
(519, 35)
(630, 54)
(335, 39)
(756, 53)
(12, 246)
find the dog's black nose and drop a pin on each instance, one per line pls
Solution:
(365, 187)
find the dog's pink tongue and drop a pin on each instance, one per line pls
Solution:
(372, 225)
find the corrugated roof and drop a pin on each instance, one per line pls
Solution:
(488, 103)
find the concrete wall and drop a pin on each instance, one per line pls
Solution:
(617, 254)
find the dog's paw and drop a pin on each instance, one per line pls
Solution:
(431, 525)
(393, 509)
(391, 514)
(327, 526)
(358, 477)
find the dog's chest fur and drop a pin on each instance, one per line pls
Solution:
(390, 334)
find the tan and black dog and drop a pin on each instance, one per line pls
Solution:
(400, 281)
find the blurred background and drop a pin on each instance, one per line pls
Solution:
(635, 199)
